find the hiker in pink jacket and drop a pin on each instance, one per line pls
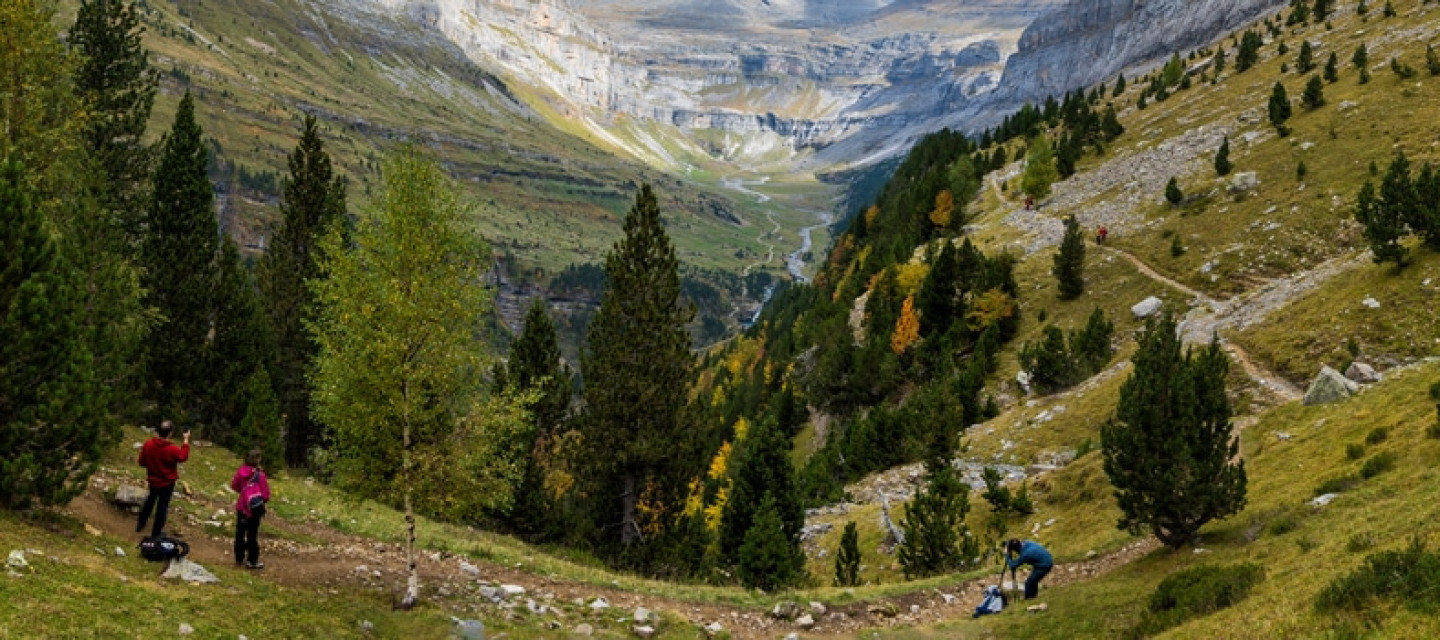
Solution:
(254, 490)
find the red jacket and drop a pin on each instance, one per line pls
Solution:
(242, 478)
(160, 458)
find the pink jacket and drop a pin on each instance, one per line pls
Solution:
(242, 478)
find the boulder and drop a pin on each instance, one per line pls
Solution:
(469, 569)
(805, 621)
(644, 631)
(512, 590)
(642, 615)
(599, 604)
(817, 608)
(1370, 303)
(714, 629)
(470, 629)
(1323, 500)
(186, 629)
(16, 560)
(1146, 308)
(1362, 373)
(129, 496)
(1244, 182)
(184, 569)
(1329, 387)
(785, 610)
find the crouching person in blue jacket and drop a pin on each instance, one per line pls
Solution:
(1031, 553)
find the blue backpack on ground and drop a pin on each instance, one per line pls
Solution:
(994, 602)
(162, 548)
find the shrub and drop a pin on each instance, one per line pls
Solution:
(1377, 435)
(1307, 545)
(1411, 576)
(1085, 447)
(1378, 464)
(1354, 451)
(1173, 194)
(1402, 70)
(1176, 249)
(1360, 542)
(1283, 525)
(1338, 484)
(1194, 592)
(847, 558)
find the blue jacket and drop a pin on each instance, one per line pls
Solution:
(1033, 554)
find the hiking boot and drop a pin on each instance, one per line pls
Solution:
(255, 565)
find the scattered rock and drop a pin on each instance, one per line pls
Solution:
(818, 608)
(1146, 308)
(1037, 608)
(805, 622)
(490, 593)
(644, 631)
(948, 598)
(469, 569)
(119, 552)
(785, 610)
(1023, 379)
(1362, 373)
(512, 590)
(1324, 499)
(1328, 387)
(16, 560)
(1370, 303)
(186, 629)
(886, 609)
(642, 615)
(792, 636)
(367, 626)
(583, 629)
(129, 496)
(1199, 551)
(184, 569)
(714, 629)
(90, 529)
(1282, 436)
(470, 629)
(599, 604)
(1244, 182)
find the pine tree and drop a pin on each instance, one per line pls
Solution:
(635, 354)
(50, 427)
(260, 428)
(847, 557)
(766, 559)
(1218, 63)
(1314, 96)
(1361, 60)
(1279, 108)
(1091, 345)
(1249, 52)
(397, 376)
(178, 253)
(1119, 86)
(936, 538)
(1299, 12)
(534, 365)
(1321, 10)
(1049, 362)
(762, 469)
(1425, 220)
(1173, 194)
(1173, 71)
(241, 341)
(312, 203)
(1169, 451)
(1306, 59)
(1389, 11)
(1385, 215)
(938, 300)
(1222, 158)
(1069, 269)
(117, 85)
(1332, 72)
(1040, 171)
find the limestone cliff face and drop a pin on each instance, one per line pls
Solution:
(850, 80)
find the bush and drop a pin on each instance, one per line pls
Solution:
(1283, 525)
(1354, 451)
(1378, 464)
(1360, 542)
(1338, 484)
(1411, 576)
(1377, 435)
(1194, 592)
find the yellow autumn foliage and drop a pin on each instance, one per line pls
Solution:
(871, 214)
(716, 510)
(990, 307)
(720, 462)
(910, 276)
(944, 209)
(742, 428)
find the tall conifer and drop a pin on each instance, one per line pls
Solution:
(312, 202)
(535, 366)
(178, 252)
(636, 358)
(240, 342)
(1069, 269)
(1169, 450)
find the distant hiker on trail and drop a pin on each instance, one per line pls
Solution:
(1029, 202)
(161, 459)
(1101, 235)
(1031, 553)
(254, 489)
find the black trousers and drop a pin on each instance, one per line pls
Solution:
(1032, 583)
(159, 501)
(247, 538)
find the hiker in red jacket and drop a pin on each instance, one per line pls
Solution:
(161, 458)
(254, 489)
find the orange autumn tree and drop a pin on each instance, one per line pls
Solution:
(907, 327)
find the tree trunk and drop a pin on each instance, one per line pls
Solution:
(629, 529)
(412, 585)
(895, 532)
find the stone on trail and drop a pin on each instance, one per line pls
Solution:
(599, 604)
(512, 590)
(805, 622)
(1146, 308)
(1037, 608)
(184, 569)
(469, 629)
(785, 610)
(817, 608)
(642, 615)
(469, 569)
(129, 496)
(1329, 387)
(644, 631)
(1362, 373)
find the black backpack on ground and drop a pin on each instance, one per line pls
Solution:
(162, 548)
